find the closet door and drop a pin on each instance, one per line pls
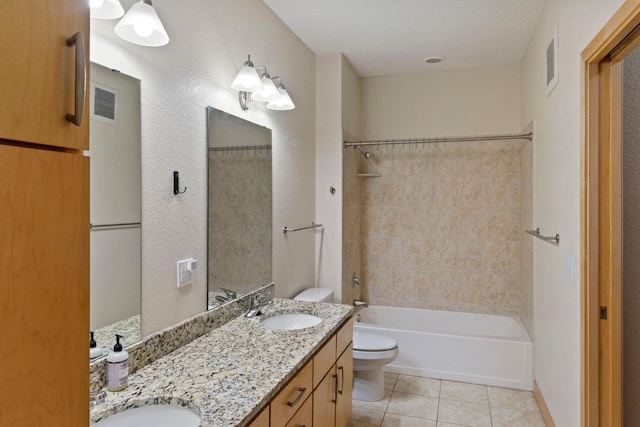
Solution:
(39, 79)
(44, 288)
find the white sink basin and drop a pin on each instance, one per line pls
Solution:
(152, 416)
(290, 321)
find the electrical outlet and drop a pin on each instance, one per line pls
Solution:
(186, 271)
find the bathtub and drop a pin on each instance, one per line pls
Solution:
(474, 348)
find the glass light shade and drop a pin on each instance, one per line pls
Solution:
(106, 9)
(269, 90)
(282, 102)
(247, 80)
(141, 25)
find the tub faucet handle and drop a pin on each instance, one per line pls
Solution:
(355, 280)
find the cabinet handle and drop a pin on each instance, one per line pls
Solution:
(297, 399)
(341, 369)
(81, 78)
(335, 399)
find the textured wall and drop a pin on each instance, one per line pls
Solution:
(557, 163)
(441, 227)
(631, 241)
(209, 43)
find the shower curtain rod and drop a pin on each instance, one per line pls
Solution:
(527, 136)
(241, 148)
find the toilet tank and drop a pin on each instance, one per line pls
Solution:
(315, 295)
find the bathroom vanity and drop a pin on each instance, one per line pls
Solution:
(245, 374)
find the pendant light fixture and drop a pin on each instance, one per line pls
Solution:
(141, 25)
(254, 86)
(106, 9)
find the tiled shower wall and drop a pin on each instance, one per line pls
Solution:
(440, 227)
(351, 224)
(239, 219)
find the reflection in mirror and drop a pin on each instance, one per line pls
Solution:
(115, 206)
(240, 206)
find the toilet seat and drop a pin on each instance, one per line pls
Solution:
(370, 342)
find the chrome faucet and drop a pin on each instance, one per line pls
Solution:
(257, 303)
(355, 280)
(359, 303)
(229, 293)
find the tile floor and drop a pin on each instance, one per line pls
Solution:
(425, 402)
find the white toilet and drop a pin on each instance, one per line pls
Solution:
(371, 352)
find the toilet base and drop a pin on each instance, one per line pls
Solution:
(368, 385)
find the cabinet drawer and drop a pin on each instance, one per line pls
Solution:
(304, 417)
(324, 360)
(345, 336)
(292, 396)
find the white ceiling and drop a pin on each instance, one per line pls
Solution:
(389, 37)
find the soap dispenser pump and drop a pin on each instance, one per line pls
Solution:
(94, 350)
(117, 367)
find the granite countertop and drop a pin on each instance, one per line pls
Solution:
(229, 374)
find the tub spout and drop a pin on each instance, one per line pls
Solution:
(359, 303)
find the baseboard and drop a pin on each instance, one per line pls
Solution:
(544, 410)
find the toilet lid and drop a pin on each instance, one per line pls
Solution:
(314, 294)
(367, 341)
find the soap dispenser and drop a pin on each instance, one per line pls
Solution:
(94, 350)
(117, 367)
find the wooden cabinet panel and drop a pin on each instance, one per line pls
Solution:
(262, 420)
(292, 396)
(44, 287)
(324, 360)
(304, 417)
(344, 369)
(37, 76)
(324, 398)
(344, 336)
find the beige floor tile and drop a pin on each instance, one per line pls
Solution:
(364, 418)
(380, 405)
(512, 399)
(390, 380)
(393, 420)
(465, 392)
(503, 417)
(418, 385)
(464, 413)
(450, 425)
(413, 405)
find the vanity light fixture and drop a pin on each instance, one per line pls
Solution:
(106, 9)
(260, 87)
(141, 25)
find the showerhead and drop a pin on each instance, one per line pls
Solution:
(366, 154)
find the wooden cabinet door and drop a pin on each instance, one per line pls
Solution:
(324, 400)
(44, 287)
(262, 420)
(38, 72)
(344, 369)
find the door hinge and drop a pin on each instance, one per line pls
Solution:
(603, 312)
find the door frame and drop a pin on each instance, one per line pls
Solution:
(601, 216)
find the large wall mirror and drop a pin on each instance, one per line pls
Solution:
(240, 206)
(115, 188)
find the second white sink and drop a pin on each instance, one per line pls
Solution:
(152, 416)
(290, 321)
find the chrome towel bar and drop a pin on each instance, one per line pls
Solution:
(554, 240)
(286, 229)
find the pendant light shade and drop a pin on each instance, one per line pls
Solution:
(268, 91)
(281, 102)
(247, 79)
(106, 9)
(141, 25)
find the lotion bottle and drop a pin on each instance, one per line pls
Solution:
(117, 367)
(94, 350)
